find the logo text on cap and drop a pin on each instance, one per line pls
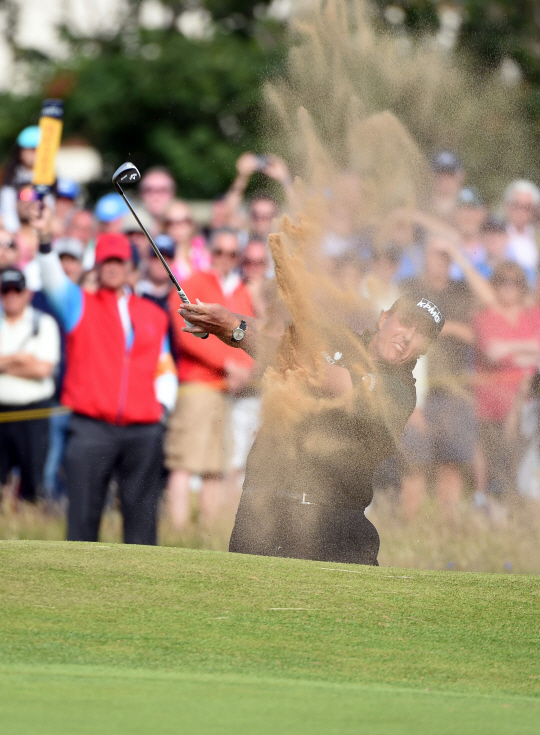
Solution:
(431, 308)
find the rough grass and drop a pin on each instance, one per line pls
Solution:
(503, 539)
(171, 639)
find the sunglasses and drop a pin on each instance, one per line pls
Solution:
(156, 190)
(10, 289)
(185, 221)
(219, 253)
(250, 261)
(510, 282)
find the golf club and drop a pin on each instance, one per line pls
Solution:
(128, 173)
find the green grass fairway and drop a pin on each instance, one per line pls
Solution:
(119, 640)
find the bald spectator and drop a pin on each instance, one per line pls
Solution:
(208, 371)
(82, 225)
(521, 200)
(191, 254)
(157, 190)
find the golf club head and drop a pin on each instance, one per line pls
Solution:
(127, 173)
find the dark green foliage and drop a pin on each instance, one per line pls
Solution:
(159, 98)
(491, 31)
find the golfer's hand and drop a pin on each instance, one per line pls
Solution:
(211, 318)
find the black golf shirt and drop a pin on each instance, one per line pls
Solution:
(330, 455)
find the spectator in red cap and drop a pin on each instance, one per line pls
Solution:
(120, 381)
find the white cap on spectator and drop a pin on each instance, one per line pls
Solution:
(522, 186)
(69, 246)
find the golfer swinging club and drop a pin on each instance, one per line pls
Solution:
(305, 494)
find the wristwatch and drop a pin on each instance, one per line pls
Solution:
(240, 331)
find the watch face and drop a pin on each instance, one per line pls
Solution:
(238, 334)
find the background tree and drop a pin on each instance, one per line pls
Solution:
(185, 100)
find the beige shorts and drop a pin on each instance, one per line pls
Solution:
(198, 437)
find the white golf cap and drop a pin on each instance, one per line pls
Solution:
(69, 246)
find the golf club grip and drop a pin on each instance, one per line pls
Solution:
(184, 299)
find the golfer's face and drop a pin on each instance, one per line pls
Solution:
(399, 339)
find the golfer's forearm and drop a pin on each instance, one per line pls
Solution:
(251, 342)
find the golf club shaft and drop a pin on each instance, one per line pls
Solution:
(178, 287)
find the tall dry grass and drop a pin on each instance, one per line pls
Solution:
(504, 540)
(341, 69)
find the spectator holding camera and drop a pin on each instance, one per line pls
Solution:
(263, 208)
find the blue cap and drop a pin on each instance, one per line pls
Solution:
(67, 189)
(165, 245)
(110, 207)
(470, 197)
(29, 137)
(446, 162)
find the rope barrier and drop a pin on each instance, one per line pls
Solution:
(30, 414)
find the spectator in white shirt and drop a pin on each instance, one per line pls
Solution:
(29, 354)
(521, 200)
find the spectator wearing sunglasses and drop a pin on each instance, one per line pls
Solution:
(191, 254)
(157, 189)
(208, 372)
(29, 354)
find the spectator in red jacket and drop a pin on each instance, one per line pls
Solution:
(119, 382)
(208, 371)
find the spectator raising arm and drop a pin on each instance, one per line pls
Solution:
(66, 297)
(480, 286)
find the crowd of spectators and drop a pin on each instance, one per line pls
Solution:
(100, 387)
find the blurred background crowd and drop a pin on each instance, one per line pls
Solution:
(474, 437)
(186, 90)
